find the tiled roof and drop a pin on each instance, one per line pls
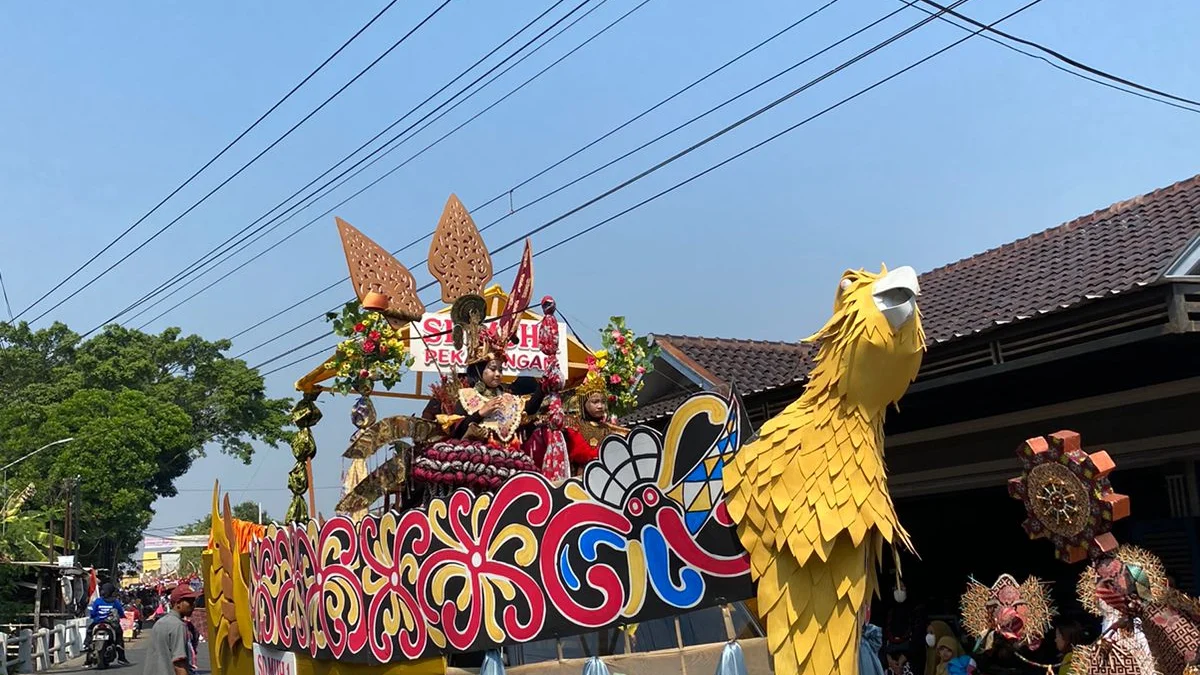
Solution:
(1111, 251)
(655, 410)
(751, 365)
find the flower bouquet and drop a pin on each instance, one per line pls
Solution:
(371, 351)
(622, 363)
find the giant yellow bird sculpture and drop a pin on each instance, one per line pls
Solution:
(809, 494)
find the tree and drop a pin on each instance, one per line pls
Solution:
(244, 511)
(141, 408)
(25, 536)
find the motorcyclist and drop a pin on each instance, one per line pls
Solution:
(108, 607)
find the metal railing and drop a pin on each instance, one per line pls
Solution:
(30, 651)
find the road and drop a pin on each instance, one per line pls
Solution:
(135, 651)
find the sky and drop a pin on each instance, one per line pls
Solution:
(110, 106)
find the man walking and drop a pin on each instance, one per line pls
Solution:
(170, 650)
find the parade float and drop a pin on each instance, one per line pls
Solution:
(1148, 628)
(513, 514)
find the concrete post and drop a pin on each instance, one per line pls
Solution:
(25, 651)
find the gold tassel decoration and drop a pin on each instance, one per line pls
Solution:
(305, 416)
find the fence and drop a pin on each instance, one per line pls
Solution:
(30, 651)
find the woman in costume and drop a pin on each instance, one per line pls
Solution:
(485, 432)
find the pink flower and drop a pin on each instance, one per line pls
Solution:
(364, 373)
(617, 335)
(641, 370)
(591, 362)
(358, 327)
(615, 379)
(368, 347)
(373, 335)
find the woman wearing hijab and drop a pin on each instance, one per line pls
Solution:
(951, 660)
(936, 631)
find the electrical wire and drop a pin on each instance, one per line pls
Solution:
(660, 137)
(214, 158)
(7, 304)
(1065, 59)
(731, 158)
(914, 4)
(226, 245)
(509, 191)
(218, 250)
(376, 181)
(248, 164)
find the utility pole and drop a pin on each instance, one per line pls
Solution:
(67, 518)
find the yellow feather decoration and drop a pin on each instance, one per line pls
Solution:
(809, 494)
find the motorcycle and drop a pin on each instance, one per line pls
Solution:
(102, 648)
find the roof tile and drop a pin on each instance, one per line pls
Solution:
(751, 365)
(1114, 250)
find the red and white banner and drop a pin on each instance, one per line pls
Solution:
(437, 350)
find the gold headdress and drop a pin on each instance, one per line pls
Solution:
(593, 383)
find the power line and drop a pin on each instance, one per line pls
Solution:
(7, 304)
(218, 251)
(399, 166)
(500, 195)
(215, 157)
(228, 244)
(589, 173)
(712, 168)
(1061, 57)
(245, 166)
(1052, 64)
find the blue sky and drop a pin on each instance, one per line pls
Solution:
(110, 105)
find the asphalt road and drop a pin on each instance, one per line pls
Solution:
(135, 651)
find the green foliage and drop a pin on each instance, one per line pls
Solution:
(190, 560)
(623, 362)
(372, 350)
(141, 408)
(243, 511)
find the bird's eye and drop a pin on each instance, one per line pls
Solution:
(845, 284)
(635, 506)
(650, 497)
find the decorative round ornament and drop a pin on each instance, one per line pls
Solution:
(1067, 496)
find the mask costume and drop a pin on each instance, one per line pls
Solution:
(1148, 628)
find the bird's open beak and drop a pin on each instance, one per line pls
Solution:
(896, 296)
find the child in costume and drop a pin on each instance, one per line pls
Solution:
(589, 424)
